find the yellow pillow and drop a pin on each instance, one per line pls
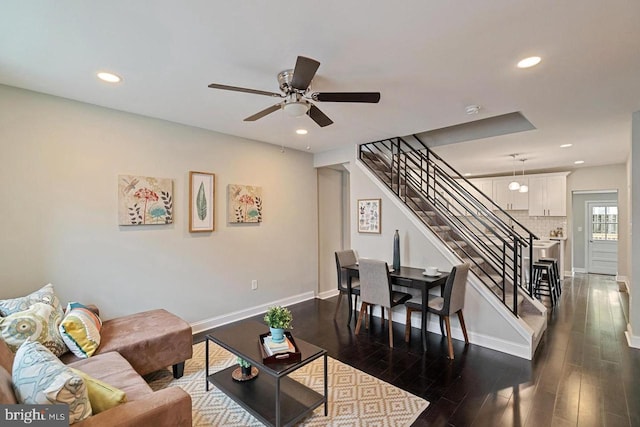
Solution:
(102, 396)
(80, 330)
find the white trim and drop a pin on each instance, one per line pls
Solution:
(328, 294)
(632, 340)
(625, 280)
(578, 270)
(213, 322)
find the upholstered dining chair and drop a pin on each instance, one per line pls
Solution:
(375, 289)
(451, 302)
(346, 257)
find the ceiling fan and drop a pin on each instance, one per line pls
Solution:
(294, 85)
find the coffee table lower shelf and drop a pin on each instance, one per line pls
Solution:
(258, 396)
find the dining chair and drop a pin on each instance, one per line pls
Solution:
(375, 289)
(451, 302)
(346, 257)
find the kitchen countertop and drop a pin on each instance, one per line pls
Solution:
(544, 244)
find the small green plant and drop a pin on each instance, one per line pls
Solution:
(278, 317)
(243, 362)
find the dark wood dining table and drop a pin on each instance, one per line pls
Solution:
(409, 277)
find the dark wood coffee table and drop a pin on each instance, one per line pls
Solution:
(272, 397)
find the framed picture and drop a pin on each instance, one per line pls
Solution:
(201, 201)
(244, 204)
(144, 200)
(369, 216)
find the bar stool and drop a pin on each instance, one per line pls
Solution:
(543, 285)
(555, 274)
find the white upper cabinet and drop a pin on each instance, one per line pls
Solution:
(548, 195)
(510, 200)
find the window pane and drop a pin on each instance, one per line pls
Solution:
(612, 210)
(612, 232)
(598, 232)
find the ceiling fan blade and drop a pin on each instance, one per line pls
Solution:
(318, 116)
(303, 73)
(246, 90)
(263, 113)
(370, 97)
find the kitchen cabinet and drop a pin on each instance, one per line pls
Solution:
(484, 185)
(510, 200)
(548, 195)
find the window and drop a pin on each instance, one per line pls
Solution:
(604, 220)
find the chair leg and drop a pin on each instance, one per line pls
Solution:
(407, 326)
(340, 295)
(363, 310)
(382, 316)
(441, 327)
(390, 328)
(447, 322)
(463, 326)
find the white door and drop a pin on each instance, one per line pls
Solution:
(602, 238)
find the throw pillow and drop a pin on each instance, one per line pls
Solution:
(39, 322)
(39, 377)
(101, 395)
(80, 330)
(46, 294)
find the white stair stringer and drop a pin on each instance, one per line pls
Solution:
(489, 323)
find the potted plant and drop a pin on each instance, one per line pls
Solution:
(278, 319)
(245, 367)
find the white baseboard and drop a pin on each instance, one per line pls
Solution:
(632, 340)
(206, 324)
(328, 294)
(579, 270)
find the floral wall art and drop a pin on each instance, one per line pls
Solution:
(144, 200)
(245, 203)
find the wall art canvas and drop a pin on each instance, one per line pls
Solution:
(144, 200)
(201, 201)
(369, 216)
(245, 203)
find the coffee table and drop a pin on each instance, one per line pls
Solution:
(272, 397)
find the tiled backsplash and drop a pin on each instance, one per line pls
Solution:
(540, 225)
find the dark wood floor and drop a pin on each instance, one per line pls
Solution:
(583, 373)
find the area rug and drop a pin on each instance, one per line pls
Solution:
(356, 399)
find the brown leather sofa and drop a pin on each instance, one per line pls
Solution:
(130, 346)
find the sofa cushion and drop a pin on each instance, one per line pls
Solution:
(46, 295)
(102, 396)
(7, 395)
(39, 323)
(39, 377)
(80, 330)
(114, 369)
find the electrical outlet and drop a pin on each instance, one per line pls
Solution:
(254, 284)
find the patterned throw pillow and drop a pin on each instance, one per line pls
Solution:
(39, 323)
(80, 330)
(39, 377)
(46, 294)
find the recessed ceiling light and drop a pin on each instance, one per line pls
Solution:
(467, 174)
(529, 62)
(566, 145)
(302, 131)
(578, 162)
(109, 77)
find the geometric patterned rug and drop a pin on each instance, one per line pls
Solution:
(355, 399)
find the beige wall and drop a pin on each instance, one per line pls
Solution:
(330, 226)
(611, 177)
(58, 223)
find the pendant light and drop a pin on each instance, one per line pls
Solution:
(524, 188)
(514, 185)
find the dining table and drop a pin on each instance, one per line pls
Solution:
(408, 277)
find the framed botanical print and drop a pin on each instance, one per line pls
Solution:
(201, 201)
(369, 216)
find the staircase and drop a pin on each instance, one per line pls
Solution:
(468, 222)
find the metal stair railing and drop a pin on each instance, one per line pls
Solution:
(482, 233)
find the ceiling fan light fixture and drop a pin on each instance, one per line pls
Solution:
(296, 108)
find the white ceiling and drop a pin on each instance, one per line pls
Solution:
(428, 58)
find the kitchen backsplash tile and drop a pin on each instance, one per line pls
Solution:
(541, 226)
